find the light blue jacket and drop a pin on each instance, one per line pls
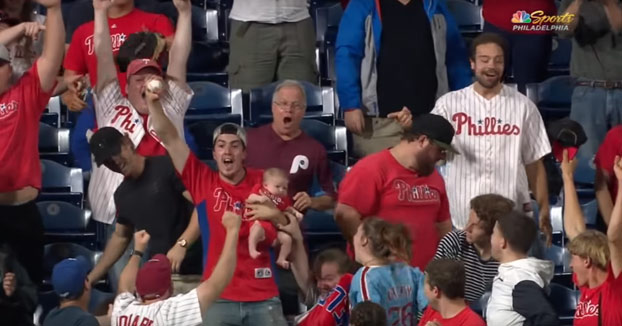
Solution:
(358, 46)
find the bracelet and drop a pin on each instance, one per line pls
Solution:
(137, 253)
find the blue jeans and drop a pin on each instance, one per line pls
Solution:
(233, 313)
(597, 110)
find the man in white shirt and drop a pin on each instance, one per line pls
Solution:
(271, 40)
(500, 135)
(154, 305)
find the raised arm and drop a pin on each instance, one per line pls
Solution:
(12, 34)
(127, 280)
(348, 220)
(211, 289)
(48, 64)
(574, 221)
(106, 70)
(180, 50)
(177, 253)
(166, 131)
(115, 247)
(614, 231)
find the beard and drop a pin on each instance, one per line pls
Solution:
(488, 82)
(425, 166)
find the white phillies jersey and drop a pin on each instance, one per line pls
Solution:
(112, 109)
(496, 138)
(180, 310)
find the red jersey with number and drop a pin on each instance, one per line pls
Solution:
(466, 317)
(607, 152)
(253, 279)
(21, 107)
(81, 53)
(332, 310)
(379, 186)
(605, 299)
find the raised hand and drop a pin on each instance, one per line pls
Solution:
(141, 240)
(403, 117)
(231, 221)
(32, 29)
(182, 5)
(568, 166)
(355, 121)
(153, 88)
(9, 284)
(101, 4)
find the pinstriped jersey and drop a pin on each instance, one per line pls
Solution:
(112, 109)
(180, 310)
(496, 139)
(397, 287)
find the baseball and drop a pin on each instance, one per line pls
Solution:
(154, 86)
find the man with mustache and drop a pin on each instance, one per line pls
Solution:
(401, 185)
(501, 136)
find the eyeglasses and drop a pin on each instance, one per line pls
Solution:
(293, 105)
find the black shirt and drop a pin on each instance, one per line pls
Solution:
(406, 61)
(154, 202)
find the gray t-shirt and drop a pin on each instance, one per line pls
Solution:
(602, 60)
(70, 316)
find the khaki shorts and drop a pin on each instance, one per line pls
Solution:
(183, 284)
(379, 134)
(262, 53)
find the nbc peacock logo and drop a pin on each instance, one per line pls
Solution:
(521, 17)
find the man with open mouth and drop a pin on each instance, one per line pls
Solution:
(502, 136)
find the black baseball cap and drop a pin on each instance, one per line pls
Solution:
(567, 132)
(435, 127)
(105, 143)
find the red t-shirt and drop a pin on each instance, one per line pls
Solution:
(21, 107)
(332, 310)
(609, 294)
(81, 53)
(253, 278)
(466, 317)
(611, 146)
(500, 12)
(379, 186)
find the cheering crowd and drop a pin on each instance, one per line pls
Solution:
(423, 248)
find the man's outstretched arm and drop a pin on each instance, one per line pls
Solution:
(106, 70)
(166, 131)
(180, 50)
(48, 64)
(127, 280)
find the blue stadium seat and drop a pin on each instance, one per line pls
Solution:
(54, 144)
(552, 96)
(64, 222)
(207, 62)
(584, 174)
(320, 103)
(61, 183)
(480, 305)
(99, 298)
(590, 211)
(53, 253)
(211, 106)
(560, 57)
(52, 113)
(468, 15)
(560, 256)
(48, 300)
(564, 301)
(334, 138)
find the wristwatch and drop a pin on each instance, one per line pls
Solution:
(182, 242)
(136, 252)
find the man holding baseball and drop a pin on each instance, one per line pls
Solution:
(129, 114)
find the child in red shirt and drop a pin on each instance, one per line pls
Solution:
(274, 187)
(444, 288)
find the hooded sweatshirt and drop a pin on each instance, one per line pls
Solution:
(518, 296)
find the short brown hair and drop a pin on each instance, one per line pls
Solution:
(332, 255)
(489, 207)
(519, 230)
(487, 38)
(368, 313)
(387, 239)
(591, 244)
(448, 276)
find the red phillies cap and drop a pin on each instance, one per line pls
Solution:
(139, 64)
(154, 278)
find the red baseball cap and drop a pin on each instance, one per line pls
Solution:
(139, 64)
(154, 278)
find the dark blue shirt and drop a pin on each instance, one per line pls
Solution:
(70, 316)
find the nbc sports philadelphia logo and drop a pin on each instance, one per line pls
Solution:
(537, 21)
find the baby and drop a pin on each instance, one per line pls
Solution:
(274, 188)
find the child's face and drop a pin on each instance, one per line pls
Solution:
(276, 185)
